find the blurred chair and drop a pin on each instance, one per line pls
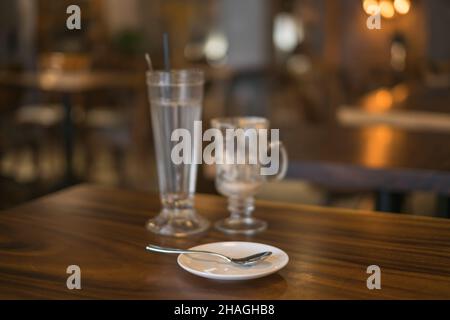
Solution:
(39, 121)
(20, 133)
(107, 126)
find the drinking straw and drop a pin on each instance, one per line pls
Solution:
(166, 54)
(166, 51)
(149, 62)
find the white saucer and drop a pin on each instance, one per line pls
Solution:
(212, 267)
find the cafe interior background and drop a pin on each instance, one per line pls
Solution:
(351, 102)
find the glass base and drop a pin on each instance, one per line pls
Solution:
(181, 223)
(245, 226)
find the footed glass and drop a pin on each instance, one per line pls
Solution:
(241, 182)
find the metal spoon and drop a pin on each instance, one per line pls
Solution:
(244, 261)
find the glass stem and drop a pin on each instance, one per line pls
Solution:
(241, 207)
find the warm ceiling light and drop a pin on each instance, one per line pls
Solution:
(402, 6)
(287, 32)
(387, 9)
(370, 6)
(216, 46)
(378, 101)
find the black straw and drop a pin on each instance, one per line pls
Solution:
(166, 52)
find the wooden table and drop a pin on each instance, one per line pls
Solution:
(68, 84)
(378, 158)
(102, 231)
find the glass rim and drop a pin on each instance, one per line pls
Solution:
(240, 122)
(175, 77)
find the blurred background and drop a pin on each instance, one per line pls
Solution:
(364, 113)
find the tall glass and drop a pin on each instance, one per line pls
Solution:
(176, 102)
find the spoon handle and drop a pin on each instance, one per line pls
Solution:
(154, 248)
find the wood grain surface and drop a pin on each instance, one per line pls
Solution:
(102, 230)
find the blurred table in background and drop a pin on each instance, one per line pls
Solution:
(410, 106)
(380, 158)
(407, 129)
(69, 84)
